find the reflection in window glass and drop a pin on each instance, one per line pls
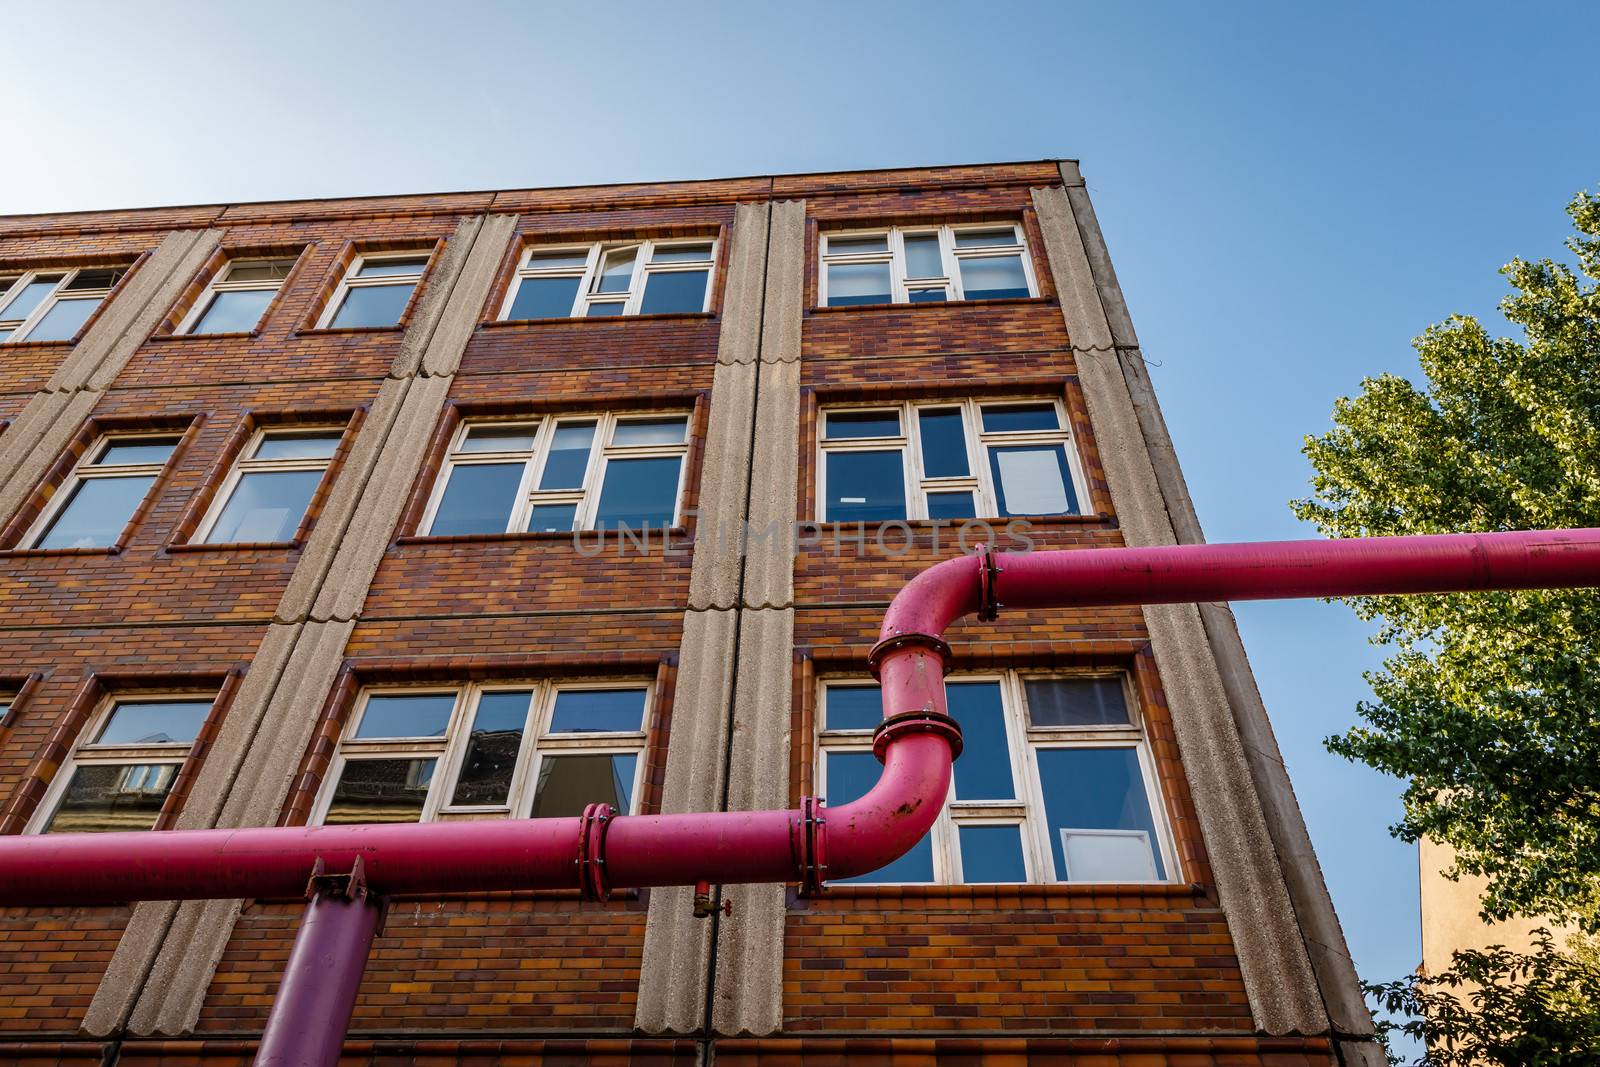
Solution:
(381, 790)
(993, 278)
(617, 274)
(297, 446)
(944, 443)
(372, 306)
(639, 492)
(987, 775)
(569, 456)
(669, 292)
(1076, 702)
(854, 707)
(649, 432)
(546, 298)
(154, 722)
(598, 710)
(234, 311)
(27, 298)
(1032, 480)
(492, 438)
(108, 797)
(570, 783)
(599, 310)
(97, 513)
(63, 321)
(991, 854)
(1095, 789)
(844, 425)
(923, 259)
(265, 506)
(851, 284)
(406, 715)
(865, 487)
(552, 518)
(490, 760)
(122, 452)
(478, 499)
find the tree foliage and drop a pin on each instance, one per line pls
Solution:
(1497, 1007)
(1489, 703)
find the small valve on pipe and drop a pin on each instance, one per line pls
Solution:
(703, 907)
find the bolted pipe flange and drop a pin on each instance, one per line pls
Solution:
(916, 722)
(592, 825)
(899, 641)
(812, 859)
(988, 579)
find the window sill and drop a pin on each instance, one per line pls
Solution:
(678, 534)
(666, 316)
(1049, 891)
(4, 345)
(233, 546)
(224, 336)
(336, 331)
(1005, 301)
(29, 553)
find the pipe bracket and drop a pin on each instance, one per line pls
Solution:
(916, 722)
(813, 859)
(592, 826)
(891, 644)
(988, 579)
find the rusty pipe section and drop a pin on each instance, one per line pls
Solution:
(916, 742)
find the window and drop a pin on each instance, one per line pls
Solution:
(1054, 785)
(947, 459)
(923, 265)
(479, 751)
(120, 776)
(266, 496)
(52, 305)
(580, 472)
(638, 278)
(238, 297)
(98, 499)
(375, 291)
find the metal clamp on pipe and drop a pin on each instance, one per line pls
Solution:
(916, 722)
(890, 644)
(988, 582)
(592, 882)
(812, 860)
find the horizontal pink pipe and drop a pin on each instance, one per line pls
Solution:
(763, 846)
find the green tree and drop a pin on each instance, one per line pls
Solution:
(1489, 703)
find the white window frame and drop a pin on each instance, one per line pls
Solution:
(247, 464)
(978, 480)
(174, 754)
(901, 287)
(450, 750)
(87, 469)
(1023, 741)
(588, 275)
(601, 452)
(20, 328)
(221, 284)
(351, 281)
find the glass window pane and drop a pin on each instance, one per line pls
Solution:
(477, 500)
(5, 335)
(605, 310)
(492, 747)
(261, 270)
(928, 296)
(383, 268)
(598, 710)
(851, 245)
(853, 707)
(27, 298)
(865, 487)
(266, 506)
(993, 278)
(1033, 480)
(97, 512)
(578, 258)
(381, 790)
(552, 518)
(649, 431)
(499, 439)
(568, 784)
(371, 306)
(858, 283)
(962, 505)
(569, 456)
(101, 278)
(117, 797)
(406, 715)
(1076, 702)
(987, 775)
(944, 443)
(1094, 789)
(986, 238)
(666, 292)
(545, 298)
(122, 451)
(922, 256)
(318, 445)
(844, 425)
(234, 311)
(849, 776)
(681, 253)
(63, 321)
(154, 722)
(617, 274)
(1012, 418)
(991, 854)
(638, 492)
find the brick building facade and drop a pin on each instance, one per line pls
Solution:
(289, 493)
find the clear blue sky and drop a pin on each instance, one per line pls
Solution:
(1290, 193)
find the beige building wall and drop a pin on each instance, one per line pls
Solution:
(1450, 916)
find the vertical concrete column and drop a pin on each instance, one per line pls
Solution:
(677, 946)
(1283, 992)
(749, 973)
(159, 975)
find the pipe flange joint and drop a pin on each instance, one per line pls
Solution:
(898, 641)
(592, 825)
(988, 584)
(350, 885)
(813, 853)
(916, 722)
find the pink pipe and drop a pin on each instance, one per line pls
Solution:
(915, 743)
